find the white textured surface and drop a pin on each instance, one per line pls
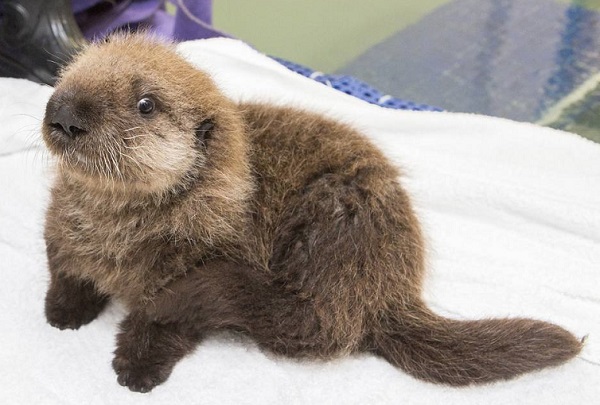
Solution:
(511, 212)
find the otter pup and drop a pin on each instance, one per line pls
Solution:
(202, 214)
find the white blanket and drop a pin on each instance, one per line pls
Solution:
(512, 217)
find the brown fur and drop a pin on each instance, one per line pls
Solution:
(276, 222)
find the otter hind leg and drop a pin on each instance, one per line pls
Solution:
(224, 295)
(340, 246)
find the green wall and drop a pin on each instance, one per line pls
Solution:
(322, 34)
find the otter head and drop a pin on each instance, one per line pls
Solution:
(130, 115)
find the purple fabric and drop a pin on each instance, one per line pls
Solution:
(194, 20)
(104, 18)
(98, 18)
(162, 23)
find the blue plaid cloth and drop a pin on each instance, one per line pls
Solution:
(354, 87)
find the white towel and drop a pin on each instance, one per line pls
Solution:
(512, 217)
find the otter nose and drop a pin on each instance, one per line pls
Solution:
(65, 119)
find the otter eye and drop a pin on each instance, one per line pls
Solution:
(145, 105)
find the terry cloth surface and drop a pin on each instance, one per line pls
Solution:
(512, 217)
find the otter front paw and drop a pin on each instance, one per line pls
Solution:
(147, 351)
(71, 316)
(140, 376)
(71, 303)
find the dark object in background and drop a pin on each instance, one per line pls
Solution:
(192, 19)
(37, 38)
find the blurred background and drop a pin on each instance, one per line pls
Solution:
(528, 60)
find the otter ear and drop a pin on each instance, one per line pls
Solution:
(204, 131)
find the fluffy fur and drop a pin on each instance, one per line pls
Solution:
(205, 214)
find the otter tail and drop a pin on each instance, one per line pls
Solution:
(446, 351)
